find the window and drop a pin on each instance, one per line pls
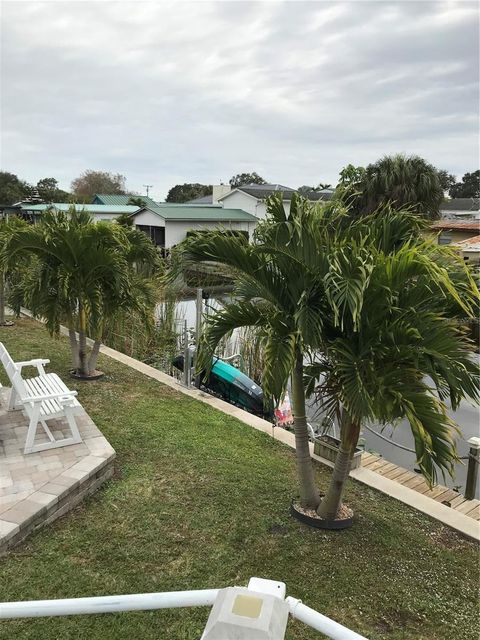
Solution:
(445, 238)
(156, 234)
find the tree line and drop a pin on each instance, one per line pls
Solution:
(395, 174)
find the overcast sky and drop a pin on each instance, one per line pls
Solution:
(167, 93)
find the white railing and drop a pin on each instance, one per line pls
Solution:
(167, 600)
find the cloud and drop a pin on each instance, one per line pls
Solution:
(198, 91)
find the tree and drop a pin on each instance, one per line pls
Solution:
(12, 189)
(447, 180)
(403, 181)
(7, 227)
(50, 192)
(138, 201)
(304, 190)
(246, 178)
(188, 191)
(371, 304)
(80, 274)
(91, 182)
(469, 187)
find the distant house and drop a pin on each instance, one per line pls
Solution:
(251, 197)
(454, 231)
(461, 209)
(168, 224)
(120, 200)
(33, 212)
(470, 249)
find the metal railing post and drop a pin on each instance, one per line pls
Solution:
(472, 469)
(198, 332)
(186, 358)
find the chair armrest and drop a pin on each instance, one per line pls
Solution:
(61, 397)
(37, 362)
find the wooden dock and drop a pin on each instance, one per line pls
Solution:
(415, 481)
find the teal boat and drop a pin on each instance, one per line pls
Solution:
(232, 385)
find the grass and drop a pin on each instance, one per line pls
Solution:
(200, 500)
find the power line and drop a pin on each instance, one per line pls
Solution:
(148, 187)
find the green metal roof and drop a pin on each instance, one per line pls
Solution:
(212, 213)
(91, 208)
(101, 198)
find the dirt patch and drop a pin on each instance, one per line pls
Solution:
(343, 513)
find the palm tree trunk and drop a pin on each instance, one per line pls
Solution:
(349, 433)
(309, 496)
(82, 340)
(2, 298)
(72, 335)
(92, 363)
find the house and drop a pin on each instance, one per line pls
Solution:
(470, 249)
(251, 197)
(120, 200)
(460, 209)
(168, 224)
(33, 212)
(454, 231)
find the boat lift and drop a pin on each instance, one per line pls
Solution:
(257, 612)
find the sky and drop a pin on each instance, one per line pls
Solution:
(173, 92)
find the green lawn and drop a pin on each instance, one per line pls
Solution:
(200, 500)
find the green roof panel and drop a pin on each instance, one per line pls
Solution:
(101, 198)
(91, 208)
(212, 213)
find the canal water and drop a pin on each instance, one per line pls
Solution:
(467, 416)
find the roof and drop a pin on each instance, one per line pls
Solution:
(470, 243)
(101, 198)
(460, 204)
(194, 212)
(321, 194)
(452, 225)
(262, 191)
(201, 200)
(91, 208)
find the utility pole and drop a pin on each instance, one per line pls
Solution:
(148, 187)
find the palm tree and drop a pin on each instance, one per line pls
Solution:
(7, 226)
(370, 303)
(81, 273)
(399, 180)
(395, 351)
(276, 294)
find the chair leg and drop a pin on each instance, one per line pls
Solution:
(32, 429)
(12, 400)
(72, 423)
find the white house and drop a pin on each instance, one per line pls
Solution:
(168, 224)
(251, 197)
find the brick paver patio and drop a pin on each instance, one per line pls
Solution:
(37, 488)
